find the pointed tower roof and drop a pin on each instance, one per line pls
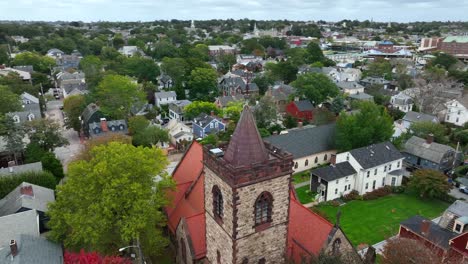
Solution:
(246, 146)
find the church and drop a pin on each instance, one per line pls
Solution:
(236, 204)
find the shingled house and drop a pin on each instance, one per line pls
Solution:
(234, 204)
(301, 109)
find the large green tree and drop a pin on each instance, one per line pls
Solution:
(73, 107)
(443, 60)
(46, 133)
(176, 69)
(203, 84)
(314, 53)
(92, 67)
(282, 71)
(13, 135)
(112, 199)
(40, 63)
(197, 107)
(372, 124)
(9, 101)
(429, 183)
(265, 112)
(117, 94)
(316, 87)
(424, 128)
(141, 68)
(150, 136)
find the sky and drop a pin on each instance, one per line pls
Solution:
(306, 10)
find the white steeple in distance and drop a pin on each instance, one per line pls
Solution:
(192, 25)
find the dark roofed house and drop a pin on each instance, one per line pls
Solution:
(325, 178)
(18, 169)
(176, 109)
(302, 110)
(232, 84)
(310, 146)
(361, 97)
(204, 125)
(412, 117)
(280, 94)
(91, 114)
(104, 127)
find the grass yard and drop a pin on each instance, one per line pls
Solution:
(305, 195)
(301, 177)
(372, 221)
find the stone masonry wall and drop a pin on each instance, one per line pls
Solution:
(182, 233)
(346, 248)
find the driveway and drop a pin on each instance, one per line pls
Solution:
(457, 194)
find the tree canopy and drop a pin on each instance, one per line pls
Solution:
(73, 107)
(46, 133)
(112, 199)
(197, 107)
(424, 128)
(203, 84)
(40, 63)
(372, 124)
(9, 101)
(265, 112)
(315, 87)
(429, 183)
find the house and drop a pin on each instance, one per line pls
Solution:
(30, 111)
(26, 197)
(337, 74)
(215, 50)
(232, 84)
(25, 68)
(369, 81)
(281, 94)
(427, 154)
(263, 224)
(55, 53)
(456, 46)
(361, 97)
(363, 170)
(91, 114)
(402, 102)
(204, 125)
(311, 146)
(19, 169)
(223, 101)
(179, 133)
(448, 237)
(22, 243)
(350, 87)
(73, 87)
(301, 109)
(104, 127)
(66, 62)
(164, 98)
(165, 81)
(24, 75)
(129, 51)
(176, 109)
(457, 111)
(412, 117)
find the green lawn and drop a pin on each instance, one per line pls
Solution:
(305, 195)
(372, 221)
(301, 177)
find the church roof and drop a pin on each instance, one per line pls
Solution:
(246, 146)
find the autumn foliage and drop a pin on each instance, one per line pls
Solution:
(92, 258)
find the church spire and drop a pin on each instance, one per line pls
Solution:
(246, 146)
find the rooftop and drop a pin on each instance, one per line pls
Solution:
(436, 234)
(376, 154)
(26, 195)
(419, 147)
(334, 172)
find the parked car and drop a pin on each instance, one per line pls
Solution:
(463, 189)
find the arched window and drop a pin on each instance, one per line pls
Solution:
(307, 162)
(262, 261)
(183, 250)
(325, 157)
(217, 202)
(218, 256)
(316, 160)
(245, 260)
(336, 246)
(263, 206)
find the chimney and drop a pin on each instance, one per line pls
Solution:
(425, 225)
(13, 248)
(333, 159)
(104, 125)
(212, 113)
(296, 98)
(430, 138)
(299, 124)
(27, 190)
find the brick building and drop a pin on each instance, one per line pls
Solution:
(235, 204)
(457, 46)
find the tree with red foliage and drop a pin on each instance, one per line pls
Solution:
(93, 258)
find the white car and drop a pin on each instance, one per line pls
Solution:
(463, 189)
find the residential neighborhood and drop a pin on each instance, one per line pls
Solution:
(233, 140)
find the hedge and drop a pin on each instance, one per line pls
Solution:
(9, 183)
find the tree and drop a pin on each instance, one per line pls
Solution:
(400, 250)
(150, 136)
(92, 67)
(113, 199)
(290, 121)
(225, 62)
(45, 133)
(117, 94)
(297, 56)
(176, 69)
(13, 134)
(429, 183)
(372, 124)
(337, 104)
(4, 57)
(265, 112)
(263, 82)
(85, 153)
(200, 51)
(197, 107)
(203, 84)
(136, 124)
(314, 53)
(53, 165)
(73, 107)
(323, 116)
(315, 87)
(141, 68)
(424, 128)
(40, 63)
(443, 60)
(9, 101)
(10, 182)
(281, 71)
(380, 68)
(233, 110)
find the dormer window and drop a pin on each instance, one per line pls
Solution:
(16, 119)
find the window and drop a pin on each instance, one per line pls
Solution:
(393, 181)
(216, 124)
(375, 172)
(368, 173)
(385, 168)
(398, 165)
(183, 250)
(337, 181)
(262, 261)
(211, 125)
(373, 185)
(316, 160)
(295, 165)
(218, 256)
(346, 178)
(367, 186)
(336, 246)
(347, 157)
(306, 163)
(31, 117)
(263, 206)
(383, 182)
(325, 157)
(457, 120)
(457, 228)
(349, 186)
(390, 167)
(458, 112)
(336, 191)
(345, 188)
(217, 202)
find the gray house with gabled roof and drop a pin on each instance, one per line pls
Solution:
(30, 111)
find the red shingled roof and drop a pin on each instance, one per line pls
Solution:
(308, 232)
(188, 198)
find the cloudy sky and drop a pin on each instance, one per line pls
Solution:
(148, 10)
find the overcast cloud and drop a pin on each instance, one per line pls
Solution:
(148, 10)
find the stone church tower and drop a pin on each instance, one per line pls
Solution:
(247, 191)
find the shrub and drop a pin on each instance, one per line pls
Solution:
(377, 193)
(9, 183)
(334, 203)
(398, 189)
(320, 213)
(353, 195)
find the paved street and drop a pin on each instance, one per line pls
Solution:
(67, 153)
(457, 194)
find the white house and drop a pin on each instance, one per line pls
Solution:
(176, 109)
(350, 87)
(178, 132)
(164, 98)
(456, 111)
(129, 51)
(402, 102)
(414, 117)
(363, 169)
